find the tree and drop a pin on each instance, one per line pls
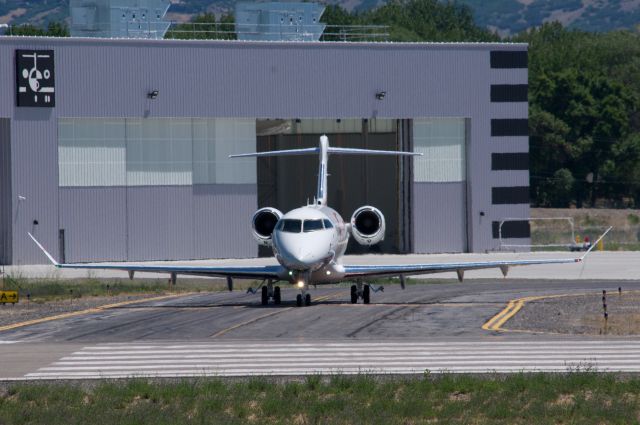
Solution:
(205, 27)
(54, 29)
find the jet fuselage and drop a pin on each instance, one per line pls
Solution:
(309, 242)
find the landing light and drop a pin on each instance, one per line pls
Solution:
(290, 273)
(300, 284)
(328, 272)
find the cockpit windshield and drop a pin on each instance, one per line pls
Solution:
(327, 224)
(290, 225)
(312, 225)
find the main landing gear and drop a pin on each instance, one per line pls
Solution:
(360, 290)
(273, 292)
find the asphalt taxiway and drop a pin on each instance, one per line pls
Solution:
(433, 326)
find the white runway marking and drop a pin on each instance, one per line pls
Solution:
(245, 359)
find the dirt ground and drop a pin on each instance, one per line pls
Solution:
(581, 315)
(625, 234)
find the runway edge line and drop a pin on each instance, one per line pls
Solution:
(86, 311)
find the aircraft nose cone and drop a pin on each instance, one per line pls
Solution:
(303, 257)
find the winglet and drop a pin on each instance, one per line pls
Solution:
(595, 243)
(55, 263)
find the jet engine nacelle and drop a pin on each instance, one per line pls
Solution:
(263, 222)
(367, 225)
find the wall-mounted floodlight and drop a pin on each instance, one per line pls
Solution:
(380, 95)
(153, 94)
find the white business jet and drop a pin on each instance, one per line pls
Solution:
(308, 243)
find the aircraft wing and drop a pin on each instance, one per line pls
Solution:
(256, 272)
(358, 271)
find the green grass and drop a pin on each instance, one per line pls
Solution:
(571, 398)
(43, 290)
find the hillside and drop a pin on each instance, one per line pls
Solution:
(504, 16)
(513, 16)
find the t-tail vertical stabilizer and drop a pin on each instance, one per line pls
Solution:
(324, 150)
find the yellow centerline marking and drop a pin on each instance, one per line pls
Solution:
(273, 313)
(514, 306)
(86, 311)
(489, 325)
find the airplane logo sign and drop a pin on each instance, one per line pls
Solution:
(8, 297)
(35, 78)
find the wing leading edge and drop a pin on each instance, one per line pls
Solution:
(257, 272)
(460, 268)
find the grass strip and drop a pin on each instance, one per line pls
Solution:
(53, 289)
(569, 398)
(44, 290)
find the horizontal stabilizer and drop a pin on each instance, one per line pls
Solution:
(287, 152)
(351, 151)
(323, 150)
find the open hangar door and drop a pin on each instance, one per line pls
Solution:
(354, 180)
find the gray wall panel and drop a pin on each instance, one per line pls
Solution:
(509, 76)
(500, 178)
(94, 223)
(510, 144)
(160, 223)
(439, 229)
(222, 220)
(34, 154)
(509, 109)
(5, 191)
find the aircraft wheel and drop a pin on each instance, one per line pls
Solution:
(366, 294)
(307, 299)
(354, 294)
(276, 295)
(265, 295)
(299, 300)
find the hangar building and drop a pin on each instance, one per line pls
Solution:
(116, 149)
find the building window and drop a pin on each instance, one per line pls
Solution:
(510, 161)
(501, 127)
(155, 152)
(509, 92)
(91, 152)
(159, 152)
(509, 59)
(511, 229)
(213, 141)
(510, 195)
(442, 143)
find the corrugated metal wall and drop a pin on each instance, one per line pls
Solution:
(35, 178)
(440, 217)
(111, 78)
(5, 191)
(102, 78)
(157, 223)
(94, 223)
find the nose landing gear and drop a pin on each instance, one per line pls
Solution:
(306, 298)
